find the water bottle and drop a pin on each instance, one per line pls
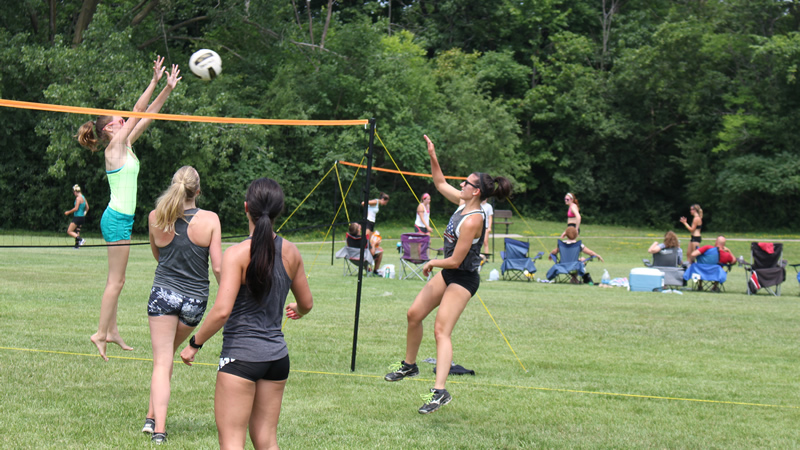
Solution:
(606, 278)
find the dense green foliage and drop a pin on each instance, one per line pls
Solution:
(638, 107)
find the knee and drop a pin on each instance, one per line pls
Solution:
(413, 317)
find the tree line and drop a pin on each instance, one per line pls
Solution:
(638, 107)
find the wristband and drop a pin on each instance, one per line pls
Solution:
(193, 344)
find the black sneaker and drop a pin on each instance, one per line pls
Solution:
(435, 400)
(401, 370)
(149, 425)
(159, 438)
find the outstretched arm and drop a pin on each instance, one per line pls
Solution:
(141, 104)
(172, 81)
(439, 180)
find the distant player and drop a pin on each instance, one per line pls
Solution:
(80, 209)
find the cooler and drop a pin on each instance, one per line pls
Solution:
(646, 279)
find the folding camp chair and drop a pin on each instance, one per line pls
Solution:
(351, 256)
(768, 269)
(667, 261)
(516, 260)
(415, 254)
(706, 274)
(568, 268)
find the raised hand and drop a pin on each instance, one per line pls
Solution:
(431, 149)
(173, 78)
(158, 68)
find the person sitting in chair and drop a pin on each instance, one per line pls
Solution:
(670, 241)
(725, 255)
(571, 234)
(354, 240)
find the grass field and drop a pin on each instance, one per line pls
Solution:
(605, 367)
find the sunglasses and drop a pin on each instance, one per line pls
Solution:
(471, 184)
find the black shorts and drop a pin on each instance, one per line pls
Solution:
(466, 279)
(370, 226)
(697, 239)
(78, 220)
(421, 229)
(277, 370)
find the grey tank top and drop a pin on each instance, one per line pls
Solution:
(182, 265)
(472, 261)
(253, 330)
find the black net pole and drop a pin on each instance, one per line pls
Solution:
(367, 182)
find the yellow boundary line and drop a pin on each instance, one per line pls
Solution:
(488, 385)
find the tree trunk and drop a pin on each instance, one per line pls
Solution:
(84, 19)
(144, 12)
(52, 20)
(327, 23)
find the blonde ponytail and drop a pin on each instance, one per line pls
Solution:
(169, 206)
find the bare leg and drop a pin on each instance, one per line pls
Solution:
(453, 303)
(427, 299)
(166, 334)
(107, 327)
(265, 415)
(233, 403)
(71, 230)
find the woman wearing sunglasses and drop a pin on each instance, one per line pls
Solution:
(122, 171)
(451, 288)
(573, 213)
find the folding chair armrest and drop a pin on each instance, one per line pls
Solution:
(647, 262)
(727, 267)
(540, 254)
(589, 259)
(554, 258)
(783, 263)
(795, 266)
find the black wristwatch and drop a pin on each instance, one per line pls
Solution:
(193, 344)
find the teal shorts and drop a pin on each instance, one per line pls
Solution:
(116, 226)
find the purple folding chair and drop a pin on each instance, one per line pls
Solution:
(415, 254)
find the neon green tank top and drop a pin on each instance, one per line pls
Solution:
(123, 185)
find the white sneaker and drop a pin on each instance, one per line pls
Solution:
(81, 242)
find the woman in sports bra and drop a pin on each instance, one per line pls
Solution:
(573, 213)
(122, 171)
(456, 283)
(694, 228)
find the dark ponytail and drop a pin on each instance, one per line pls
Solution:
(264, 202)
(497, 187)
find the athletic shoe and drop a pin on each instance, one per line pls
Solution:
(401, 370)
(81, 242)
(149, 425)
(433, 401)
(159, 438)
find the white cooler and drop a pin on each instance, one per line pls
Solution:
(646, 279)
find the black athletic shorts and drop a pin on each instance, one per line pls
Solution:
(78, 220)
(697, 239)
(370, 226)
(277, 370)
(466, 279)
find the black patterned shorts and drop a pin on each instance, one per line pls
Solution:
(164, 302)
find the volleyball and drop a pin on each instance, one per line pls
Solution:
(206, 64)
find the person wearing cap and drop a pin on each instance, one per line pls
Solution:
(422, 220)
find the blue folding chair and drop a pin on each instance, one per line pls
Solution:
(568, 268)
(516, 260)
(706, 274)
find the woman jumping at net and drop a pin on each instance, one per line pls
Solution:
(78, 212)
(122, 171)
(183, 238)
(257, 275)
(456, 283)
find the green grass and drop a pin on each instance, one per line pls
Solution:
(605, 367)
